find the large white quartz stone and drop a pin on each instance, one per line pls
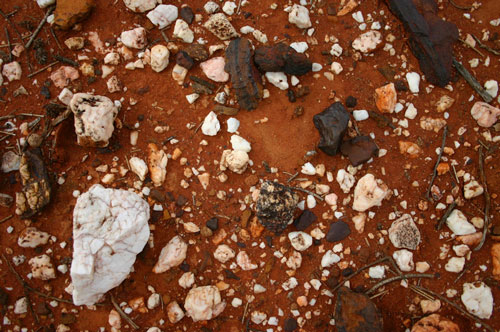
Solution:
(368, 193)
(300, 240)
(110, 227)
(163, 15)
(278, 79)
(457, 222)
(299, 15)
(135, 38)
(140, 6)
(211, 125)
(204, 303)
(183, 32)
(239, 143)
(173, 254)
(478, 299)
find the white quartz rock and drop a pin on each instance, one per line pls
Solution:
(244, 262)
(31, 237)
(135, 38)
(236, 161)
(299, 15)
(377, 272)
(308, 169)
(159, 58)
(214, 69)
(163, 15)
(345, 180)
(459, 224)
(224, 253)
(368, 193)
(232, 125)
(404, 259)
(300, 240)
(204, 303)
(278, 79)
(329, 258)
(211, 125)
(294, 261)
(172, 255)
(94, 117)
(413, 80)
(478, 299)
(12, 71)
(140, 6)
(183, 32)
(455, 264)
(229, 7)
(157, 164)
(211, 7)
(174, 312)
(257, 317)
(368, 41)
(65, 96)
(139, 167)
(42, 268)
(45, 3)
(485, 114)
(300, 47)
(153, 301)
(472, 189)
(238, 143)
(21, 306)
(186, 280)
(491, 87)
(360, 115)
(10, 161)
(110, 227)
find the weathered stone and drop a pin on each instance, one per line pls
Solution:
(331, 125)
(42, 268)
(234, 160)
(219, 25)
(403, 233)
(369, 193)
(282, 58)
(172, 255)
(140, 6)
(485, 114)
(355, 312)
(359, 149)
(70, 12)
(196, 51)
(275, 206)
(204, 303)
(495, 258)
(338, 231)
(184, 60)
(163, 15)
(435, 323)
(305, 220)
(386, 98)
(31, 237)
(478, 299)
(187, 14)
(157, 164)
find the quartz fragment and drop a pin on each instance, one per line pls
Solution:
(174, 312)
(458, 223)
(139, 167)
(369, 193)
(140, 6)
(12, 71)
(368, 41)
(31, 237)
(404, 259)
(300, 240)
(386, 98)
(159, 58)
(172, 255)
(236, 161)
(478, 299)
(244, 262)
(157, 164)
(163, 15)
(275, 206)
(183, 32)
(42, 268)
(299, 15)
(64, 76)
(204, 303)
(211, 125)
(135, 38)
(485, 114)
(214, 69)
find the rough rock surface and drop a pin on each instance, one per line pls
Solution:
(331, 125)
(338, 231)
(64, 76)
(355, 312)
(485, 114)
(300, 241)
(386, 98)
(368, 193)
(458, 223)
(368, 41)
(163, 15)
(172, 255)
(478, 299)
(42, 268)
(275, 206)
(204, 303)
(174, 312)
(282, 58)
(135, 38)
(31, 237)
(140, 6)
(159, 58)
(94, 116)
(234, 160)
(435, 323)
(219, 25)
(157, 164)
(110, 227)
(70, 12)
(245, 77)
(299, 15)
(359, 149)
(214, 69)
(404, 233)
(404, 260)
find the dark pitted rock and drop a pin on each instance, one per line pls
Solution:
(187, 14)
(70, 12)
(305, 220)
(332, 125)
(275, 206)
(196, 51)
(338, 231)
(431, 38)
(351, 102)
(359, 149)
(184, 60)
(355, 312)
(36, 189)
(213, 223)
(281, 57)
(290, 324)
(245, 77)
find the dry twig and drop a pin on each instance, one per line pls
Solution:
(460, 7)
(487, 199)
(39, 27)
(355, 273)
(400, 277)
(472, 81)
(308, 192)
(487, 48)
(445, 216)
(42, 69)
(122, 313)
(434, 172)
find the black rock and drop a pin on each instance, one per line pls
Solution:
(290, 324)
(291, 96)
(275, 206)
(355, 312)
(338, 231)
(359, 149)
(184, 267)
(213, 223)
(332, 125)
(184, 60)
(41, 308)
(305, 220)
(181, 200)
(45, 92)
(400, 86)
(281, 57)
(187, 14)
(351, 102)
(157, 195)
(347, 271)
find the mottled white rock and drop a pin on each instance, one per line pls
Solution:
(191, 98)
(300, 240)
(244, 262)
(174, 312)
(135, 38)
(163, 15)
(368, 41)
(211, 125)
(455, 264)
(157, 164)
(258, 289)
(179, 73)
(413, 80)
(21, 306)
(310, 202)
(140, 6)
(172, 255)
(65, 96)
(329, 258)
(478, 299)
(473, 189)
(404, 233)
(139, 167)
(112, 58)
(238, 143)
(186, 280)
(224, 253)
(461, 250)
(159, 58)
(219, 25)
(183, 32)
(299, 15)
(404, 259)
(204, 303)
(458, 223)
(308, 169)
(257, 317)
(45, 3)
(94, 117)
(42, 268)
(211, 7)
(114, 84)
(377, 272)
(485, 114)
(247, 29)
(110, 227)
(236, 161)
(345, 180)
(444, 103)
(294, 261)
(153, 301)
(31, 237)
(10, 161)
(260, 36)
(278, 79)
(422, 267)
(229, 7)
(290, 284)
(368, 193)
(12, 71)
(491, 86)
(214, 69)
(232, 125)
(430, 306)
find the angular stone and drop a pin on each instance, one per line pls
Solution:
(368, 193)
(163, 15)
(478, 299)
(159, 58)
(42, 268)
(187, 14)
(338, 231)
(219, 25)
(300, 241)
(435, 323)
(197, 52)
(10, 161)
(305, 220)
(204, 303)
(63, 76)
(110, 227)
(355, 312)
(182, 31)
(282, 58)
(331, 125)
(245, 77)
(31, 237)
(458, 223)
(368, 42)
(70, 12)
(140, 6)
(275, 206)
(386, 98)
(214, 69)
(359, 149)
(485, 114)
(404, 233)
(157, 164)
(235, 161)
(172, 255)
(135, 38)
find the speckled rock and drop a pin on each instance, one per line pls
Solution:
(404, 233)
(219, 25)
(435, 323)
(275, 206)
(70, 12)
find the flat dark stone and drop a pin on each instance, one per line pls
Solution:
(338, 231)
(355, 312)
(290, 324)
(331, 125)
(187, 14)
(351, 102)
(196, 51)
(184, 60)
(305, 220)
(359, 149)
(213, 223)
(281, 57)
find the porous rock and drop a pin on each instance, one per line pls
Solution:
(404, 233)
(219, 25)
(234, 160)
(275, 206)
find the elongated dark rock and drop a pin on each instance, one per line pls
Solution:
(355, 312)
(332, 125)
(245, 77)
(359, 149)
(431, 38)
(281, 57)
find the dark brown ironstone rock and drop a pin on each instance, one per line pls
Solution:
(281, 57)
(355, 312)
(359, 149)
(332, 125)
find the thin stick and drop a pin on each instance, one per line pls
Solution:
(459, 7)
(52, 32)
(472, 47)
(308, 192)
(487, 48)
(65, 60)
(164, 36)
(6, 218)
(39, 27)
(244, 313)
(42, 69)
(434, 172)
(123, 314)
(456, 306)
(8, 43)
(352, 275)
(421, 293)
(11, 24)
(445, 216)
(472, 81)
(290, 179)
(379, 294)
(486, 199)
(238, 9)
(401, 277)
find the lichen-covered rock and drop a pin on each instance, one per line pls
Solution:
(36, 191)
(275, 206)
(234, 160)
(331, 125)
(244, 262)
(282, 58)
(42, 268)
(245, 77)
(157, 164)
(110, 227)
(219, 25)
(31, 237)
(404, 233)
(369, 193)
(355, 312)
(94, 116)
(359, 149)
(172, 255)
(204, 303)
(485, 114)
(435, 323)
(386, 98)
(70, 12)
